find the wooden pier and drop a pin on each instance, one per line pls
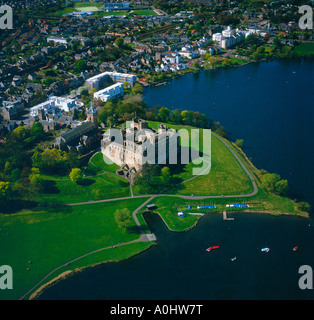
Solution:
(224, 215)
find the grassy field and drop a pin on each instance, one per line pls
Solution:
(304, 49)
(226, 176)
(98, 161)
(145, 12)
(51, 237)
(103, 186)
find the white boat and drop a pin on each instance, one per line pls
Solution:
(265, 249)
(232, 259)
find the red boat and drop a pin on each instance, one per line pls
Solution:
(211, 248)
(295, 248)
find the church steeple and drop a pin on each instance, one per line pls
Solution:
(92, 114)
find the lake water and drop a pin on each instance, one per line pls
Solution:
(270, 106)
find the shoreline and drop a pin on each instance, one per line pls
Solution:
(178, 75)
(69, 273)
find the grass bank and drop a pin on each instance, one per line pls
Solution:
(35, 242)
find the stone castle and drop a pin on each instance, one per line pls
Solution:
(136, 144)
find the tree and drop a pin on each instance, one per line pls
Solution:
(281, 187)
(76, 175)
(187, 117)
(138, 88)
(8, 168)
(4, 191)
(163, 114)
(4, 186)
(165, 175)
(80, 66)
(269, 180)
(36, 181)
(303, 206)
(239, 143)
(273, 183)
(123, 217)
(92, 91)
(119, 42)
(176, 116)
(15, 175)
(37, 131)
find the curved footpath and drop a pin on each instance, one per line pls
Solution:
(144, 236)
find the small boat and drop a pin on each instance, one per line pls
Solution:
(265, 249)
(232, 259)
(295, 248)
(212, 248)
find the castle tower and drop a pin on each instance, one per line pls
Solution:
(92, 115)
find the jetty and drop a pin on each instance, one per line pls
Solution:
(224, 215)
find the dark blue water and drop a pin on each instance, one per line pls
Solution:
(270, 106)
(180, 268)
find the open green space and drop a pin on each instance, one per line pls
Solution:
(226, 176)
(99, 161)
(51, 237)
(304, 49)
(146, 12)
(103, 186)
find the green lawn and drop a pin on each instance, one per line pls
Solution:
(147, 12)
(98, 161)
(51, 237)
(304, 49)
(104, 186)
(226, 176)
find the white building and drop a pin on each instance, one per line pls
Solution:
(217, 37)
(96, 81)
(228, 37)
(52, 103)
(46, 106)
(57, 39)
(108, 93)
(64, 104)
(172, 58)
(228, 32)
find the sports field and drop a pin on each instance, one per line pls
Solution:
(87, 9)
